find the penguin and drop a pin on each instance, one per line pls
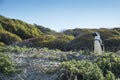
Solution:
(98, 46)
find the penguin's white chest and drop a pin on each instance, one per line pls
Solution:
(97, 47)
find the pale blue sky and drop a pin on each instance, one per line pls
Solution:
(64, 14)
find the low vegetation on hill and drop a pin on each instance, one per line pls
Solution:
(8, 38)
(17, 32)
(110, 38)
(18, 27)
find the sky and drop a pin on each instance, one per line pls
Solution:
(64, 14)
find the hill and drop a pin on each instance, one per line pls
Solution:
(17, 32)
(84, 38)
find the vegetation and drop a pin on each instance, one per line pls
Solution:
(49, 41)
(45, 30)
(15, 49)
(27, 47)
(2, 44)
(110, 37)
(109, 62)
(77, 32)
(33, 62)
(82, 70)
(17, 32)
(8, 38)
(20, 28)
(82, 42)
(6, 65)
(112, 44)
(105, 67)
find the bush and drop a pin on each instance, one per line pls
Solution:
(15, 49)
(20, 28)
(49, 41)
(9, 38)
(112, 44)
(6, 65)
(59, 42)
(44, 30)
(104, 67)
(82, 70)
(82, 41)
(109, 62)
(2, 44)
(110, 76)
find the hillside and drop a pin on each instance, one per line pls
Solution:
(84, 38)
(17, 30)
(20, 33)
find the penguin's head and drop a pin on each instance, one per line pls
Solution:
(96, 34)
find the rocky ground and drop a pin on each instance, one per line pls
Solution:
(39, 64)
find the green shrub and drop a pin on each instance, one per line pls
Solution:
(1, 27)
(44, 30)
(82, 70)
(6, 65)
(20, 28)
(110, 76)
(2, 44)
(112, 44)
(14, 49)
(59, 42)
(42, 41)
(82, 41)
(77, 31)
(49, 41)
(9, 38)
(109, 62)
